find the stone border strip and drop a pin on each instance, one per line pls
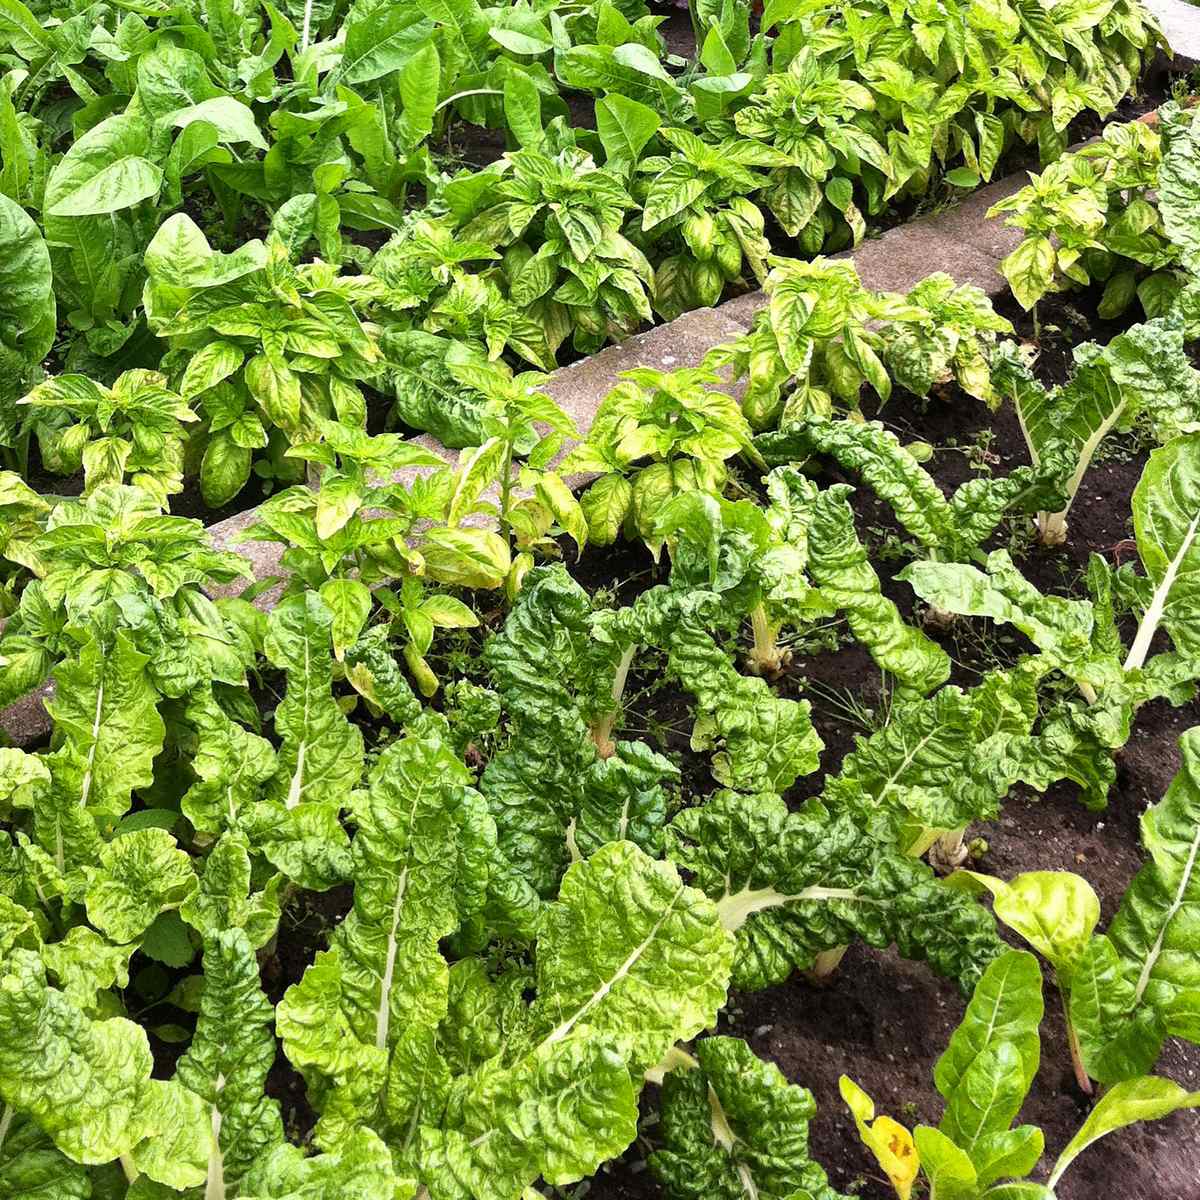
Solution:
(960, 241)
(1180, 22)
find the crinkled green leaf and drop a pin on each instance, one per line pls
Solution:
(105, 712)
(1060, 628)
(1179, 184)
(622, 799)
(22, 777)
(953, 528)
(557, 1114)
(83, 964)
(32, 1168)
(227, 1062)
(1157, 927)
(361, 1169)
(321, 757)
(1166, 517)
(839, 566)
(629, 951)
(224, 898)
(552, 677)
(371, 1002)
(941, 762)
(733, 1126)
(375, 674)
(791, 885)
(762, 742)
(86, 1082)
(231, 764)
(139, 875)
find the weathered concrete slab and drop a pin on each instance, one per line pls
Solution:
(905, 255)
(1180, 23)
(959, 240)
(263, 557)
(967, 223)
(743, 309)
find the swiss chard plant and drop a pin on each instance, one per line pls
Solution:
(1142, 375)
(1124, 991)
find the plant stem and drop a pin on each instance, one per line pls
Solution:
(5, 1121)
(676, 1058)
(948, 852)
(827, 962)
(127, 1165)
(505, 491)
(469, 92)
(306, 31)
(1081, 1075)
(603, 728)
(1052, 528)
(1158, 602)
(764, 641)
(766, 657)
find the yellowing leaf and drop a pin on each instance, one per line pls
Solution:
(890, 1142)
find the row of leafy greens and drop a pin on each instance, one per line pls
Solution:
(627, 183)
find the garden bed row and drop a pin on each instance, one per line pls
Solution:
(961, 240)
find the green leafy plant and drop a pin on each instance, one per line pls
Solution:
(355, 528)
(822, 336)
(677, 420)
(29, 314)
(1095, 216)
(566, 264)
(820, 125)
(1142, 374)
(700, 194)
(134, 431)
(263, 348)
(1126, 990)
(950, 528)
(114, 559)
(732, 1121)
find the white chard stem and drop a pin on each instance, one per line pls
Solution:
(1158, 602)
